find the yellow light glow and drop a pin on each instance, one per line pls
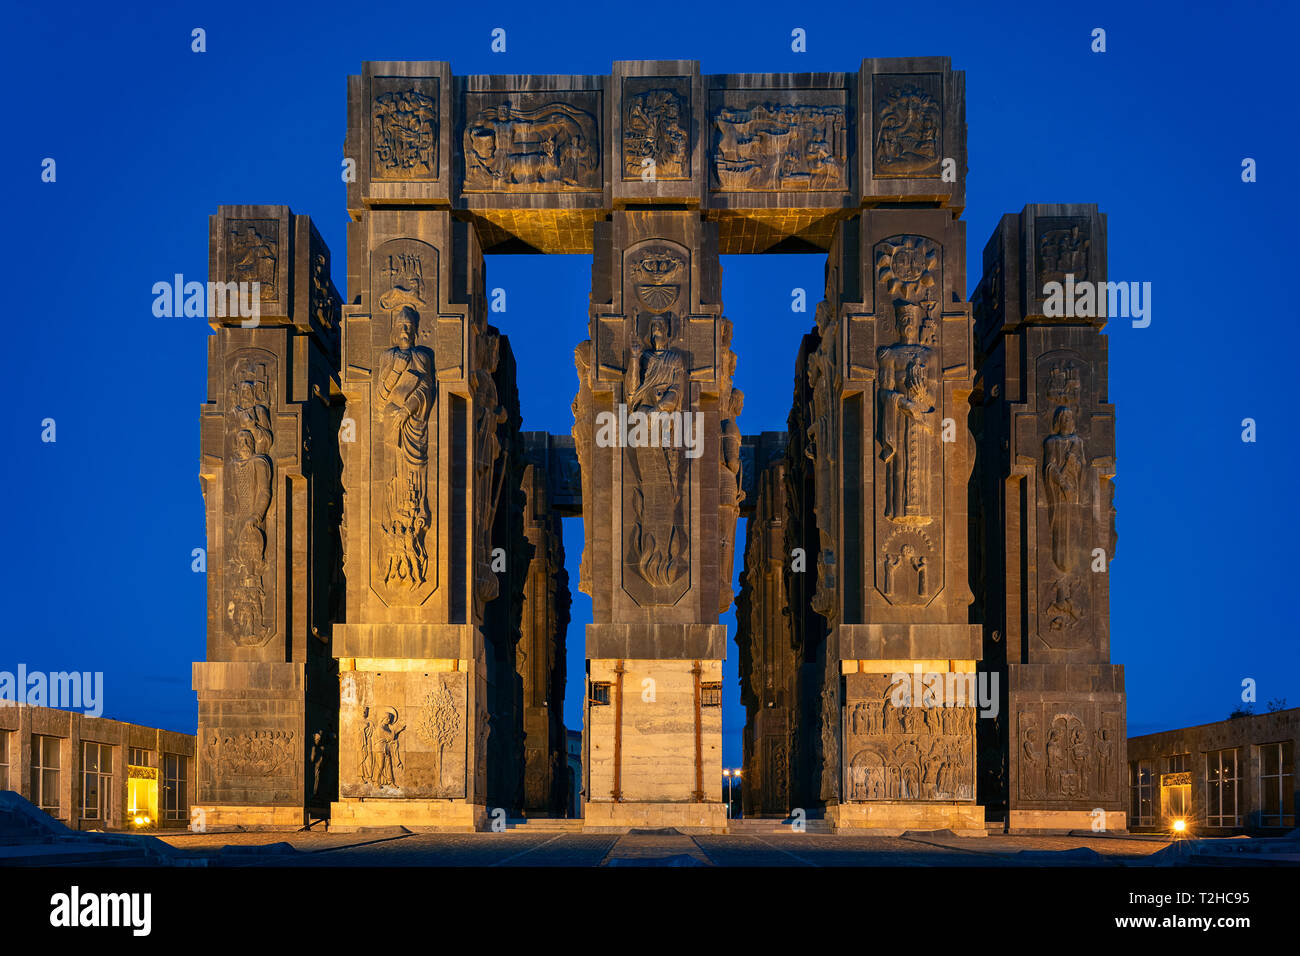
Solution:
(1180, 826)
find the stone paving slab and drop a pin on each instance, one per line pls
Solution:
(667, 848)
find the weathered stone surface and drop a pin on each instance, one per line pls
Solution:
(878, 541)
(1044, 477)
(270, 472)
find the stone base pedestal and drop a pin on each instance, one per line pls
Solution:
(220, 816)
(687, 817)
(893, 819)
(448, 816)
(1048, 822)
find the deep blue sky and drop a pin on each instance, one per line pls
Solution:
(150, 138)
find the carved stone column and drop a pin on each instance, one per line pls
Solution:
(424, 454)
(769, 666)
(270, 472)
(890, 380)
(658, 466)
(545, 619)
(1047, 464)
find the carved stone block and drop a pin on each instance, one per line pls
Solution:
(911, 752)
(403, 734)
(912, 131)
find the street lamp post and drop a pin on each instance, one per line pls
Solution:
(727, 773)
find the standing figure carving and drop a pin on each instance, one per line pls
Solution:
(250, 475)
(1063, 468)
(905, 417)
(406, 392)
(656, 378)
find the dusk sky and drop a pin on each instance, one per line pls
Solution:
(150, 138)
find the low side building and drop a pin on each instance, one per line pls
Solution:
(1233, 776)
(96, 774)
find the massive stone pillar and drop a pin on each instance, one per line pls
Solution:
(545, 620)
(890, 381)
(424, 466)
(1047, 464)
(769, 656)
(270, 471)
(654, 424)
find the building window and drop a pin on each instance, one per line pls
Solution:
(1180, 763)
(139, 757)
(1142, 788)
(1277, 784)
(599, 693)
(176, 801)
(4, 760)
(711, 694)
(96, 781)
(45, 773)
(1221, 785)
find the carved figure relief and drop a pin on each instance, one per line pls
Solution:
(1074, 760)
(908, 123)
(322, 298)
(908, 573)
(908, 753)
(255, 254)
(656, 537)
(582, 444)
(553, 147)
(824, 378)
(1063, 248)
(830, 743)
(403, 735)
(730, 493)
(404, 424)
(656, 378)
(906, 421)
(381, 747)
(250, 753)
(405, 393)
(249, 478)
(780, 148)
(405, 135)
(489, 459)
(1065, 480)
(655, 129)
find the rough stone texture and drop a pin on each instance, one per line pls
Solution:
(775, 159)
(769, 666)
(541, 654)
(879, 541)
(660, 523)
(1045, 479)
(432, 411)
(270, 473)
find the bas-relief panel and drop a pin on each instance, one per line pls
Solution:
(254, 254)
(1067, 526)
(249, 486)
(532, 142)
(764, 142)
(909, 410)
(1063, 244)
(906, 753)
(656, 480)
(404, 427)
(908, 124)
(404, 128)
(656, 128)
(402, 735)
(256, 759)
(1067, 751)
